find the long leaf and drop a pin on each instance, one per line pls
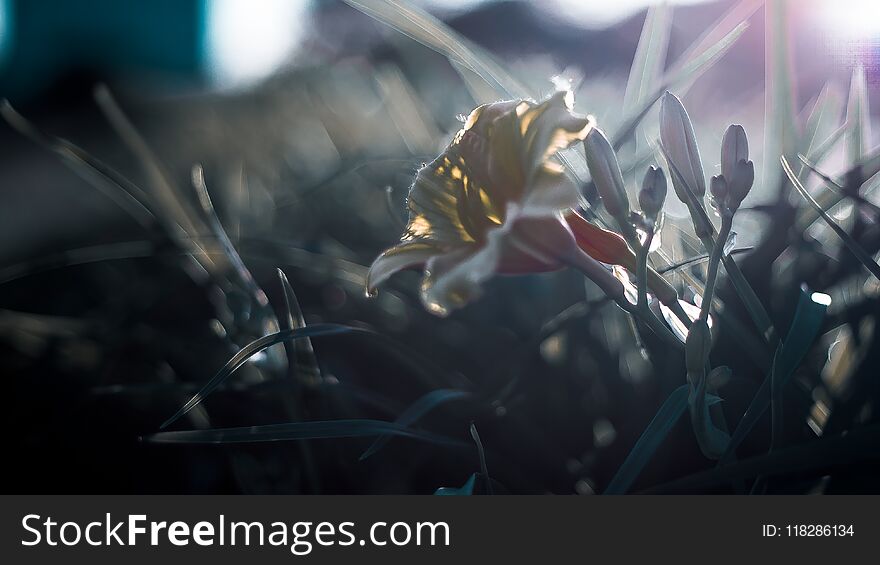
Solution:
(650, 57)
(325, 429)
(665, 419)
(249, 351)
(300, 352)
(434, 34)
(858, 118)
(415, 412)
(801, 335)
(779, 136)
(688, 72)
(823, 117)
(851, 244)
(818, 456)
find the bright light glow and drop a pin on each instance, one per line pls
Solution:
(248, 40)
(821, 298)
(853, 19)
(601, 13)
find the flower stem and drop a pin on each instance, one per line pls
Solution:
(714, 264)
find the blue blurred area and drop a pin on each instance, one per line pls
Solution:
(46, 42)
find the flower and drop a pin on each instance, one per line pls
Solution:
(680, 144)
(653, 193)
(497, 201)
(737, 170)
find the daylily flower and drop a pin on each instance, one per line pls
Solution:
(497, 201)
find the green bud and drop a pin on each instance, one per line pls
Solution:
(605, 170)
(740, 182)
(653, 192)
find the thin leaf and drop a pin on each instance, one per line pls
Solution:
(662, 423)
(731, 19)
(467, 489)
(415, 412)
(213, 221)
(299, 352)
(779, 136)
(249, 351)
(689, 72)
(837, 188)
(324, 429)
(824, 116)
(851, 244)
(167, 197)
(109, 182)
(650, 57)
(697, 260)
(434, 34)
(482, 455)
(801, 335)
(651, 439)
(818, 456)
(858, 118)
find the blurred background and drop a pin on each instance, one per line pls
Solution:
(309, 119)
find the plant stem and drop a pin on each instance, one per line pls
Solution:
(714, 263)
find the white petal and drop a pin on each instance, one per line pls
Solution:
(396, 259)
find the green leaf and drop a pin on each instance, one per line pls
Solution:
(465, 490)
(651, 438)
(650, 57)
(789, 354)
(818, 457)
(434, 34)
(325, 429)
(858, 118)
(688, 72)
(415, 411)
(820, 124)
(779, 139)
(299, 352)
(249, 351)
(851, 244)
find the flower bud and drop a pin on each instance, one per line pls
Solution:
(719, 190)
(605, 170)
(680, 143)
(740, 182)
(653, 192)
(734, 148)
(697, 347)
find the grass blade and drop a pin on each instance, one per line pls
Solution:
(300, 353)
(325, 429)
(249, 351)
(858, 118)
(663, 422)
(823, 118)
(482, 455)
(434, 34)
(414, 412)
(109, 182)
(851, 244)
(818, 456)
(803, 331)
(688, 72)
(650, 57)
(779, 136)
